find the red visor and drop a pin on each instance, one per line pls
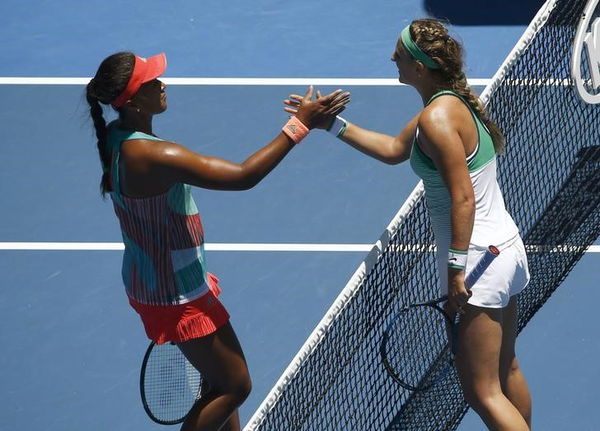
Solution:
(144, 70)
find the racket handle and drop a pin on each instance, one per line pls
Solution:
(490, 254)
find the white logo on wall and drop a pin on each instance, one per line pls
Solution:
(588, 39)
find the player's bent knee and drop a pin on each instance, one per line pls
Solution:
(480, 402)
(481, 396)
(241, 389)
(245, 390)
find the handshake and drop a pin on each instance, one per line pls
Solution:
(316, 111)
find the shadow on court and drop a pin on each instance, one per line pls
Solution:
(489, 12)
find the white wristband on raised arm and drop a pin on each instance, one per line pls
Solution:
(338, 127)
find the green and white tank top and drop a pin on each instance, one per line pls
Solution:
(493, 224)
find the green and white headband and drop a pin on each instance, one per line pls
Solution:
(415, 51)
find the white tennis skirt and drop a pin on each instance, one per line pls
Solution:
(507, 275)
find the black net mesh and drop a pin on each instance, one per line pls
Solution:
(550, 177)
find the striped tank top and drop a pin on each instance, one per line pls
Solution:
(492, 224)
(163, 262)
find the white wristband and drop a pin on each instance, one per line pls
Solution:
(338, 127)
(457, 259)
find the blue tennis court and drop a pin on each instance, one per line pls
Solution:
(73, 346)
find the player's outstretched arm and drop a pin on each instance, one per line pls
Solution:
(386, 148)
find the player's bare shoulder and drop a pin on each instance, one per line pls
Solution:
(147, 150)
(445, 111)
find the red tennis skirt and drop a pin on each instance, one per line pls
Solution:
(179, 323)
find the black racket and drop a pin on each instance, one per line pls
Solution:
(416, 342)
(169, 384)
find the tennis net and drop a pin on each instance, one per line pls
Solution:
(550, 177)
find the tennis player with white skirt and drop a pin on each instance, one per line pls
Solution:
(452, 145)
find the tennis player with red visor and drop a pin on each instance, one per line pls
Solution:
(164, 270)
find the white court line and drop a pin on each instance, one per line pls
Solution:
(8, 80)
(94, 246)
(207, 246)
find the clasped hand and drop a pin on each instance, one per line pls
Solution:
(317, 112)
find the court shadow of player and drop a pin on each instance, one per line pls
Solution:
(489, 12)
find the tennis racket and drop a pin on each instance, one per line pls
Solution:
(417, 341)
(169, 384)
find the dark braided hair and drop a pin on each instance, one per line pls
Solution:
(432, 37)
(110, 81)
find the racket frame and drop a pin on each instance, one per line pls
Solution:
(451, 328)
(451, 322)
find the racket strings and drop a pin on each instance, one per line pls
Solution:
(171, 385)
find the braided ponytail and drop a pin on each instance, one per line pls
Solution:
(96, 113)
(433, 38)
(110, 81)
(461, 87)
